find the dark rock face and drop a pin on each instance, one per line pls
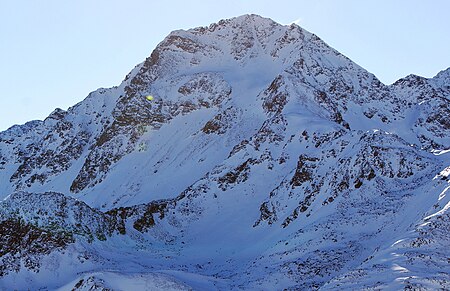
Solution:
(143, 217)
(23, 243)
(302, 174)
(50, 222)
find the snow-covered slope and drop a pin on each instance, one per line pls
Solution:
(267, 160)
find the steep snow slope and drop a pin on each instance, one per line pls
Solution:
(267, 160)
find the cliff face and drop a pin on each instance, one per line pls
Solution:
(266, 160)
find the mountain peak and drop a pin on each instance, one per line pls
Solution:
(265, 160)
(444, 74)
(246, 20)
(252, 19)
(442, 79)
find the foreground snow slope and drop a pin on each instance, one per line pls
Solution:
(267, 160)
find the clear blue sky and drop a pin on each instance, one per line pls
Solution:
(54, 52)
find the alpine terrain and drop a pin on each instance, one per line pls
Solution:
(266, 160)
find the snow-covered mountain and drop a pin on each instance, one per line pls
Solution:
(267, 160)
